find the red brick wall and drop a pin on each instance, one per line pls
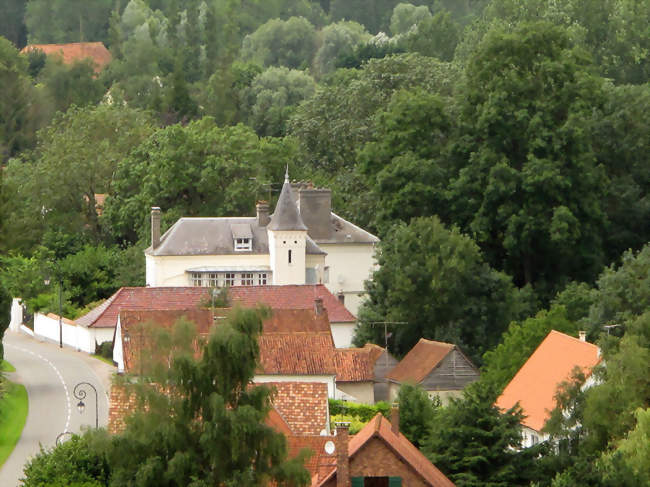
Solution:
(375, 459)
(121, 405)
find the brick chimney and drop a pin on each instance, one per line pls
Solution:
(316, 211)
(318, 306)
(155, 226)
(394, 418)
(342, 457)
(263, 217)
(582, 335)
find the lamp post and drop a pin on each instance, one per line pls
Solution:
(46, 281)
(60, 439)
(79, 393)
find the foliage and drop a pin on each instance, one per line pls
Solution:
(78, 461)
(273, 96)
(364, 412)
(197, 170)
(633, 451)
(528, 99)
(336, 39)
(290, 43)
(475, 444)
(435, 279)
(193, 426)
(435, 36)
(13, 414)
(75, 84)
(12, 24)
(416, 412)
(519, 342)
(406, 15)
(356, 424)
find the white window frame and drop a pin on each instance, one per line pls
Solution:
(262, 278)
(247, 279)
(243, 244)
(196, 279)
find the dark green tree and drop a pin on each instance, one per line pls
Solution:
(436, 36)
(203, 422)
(67, 21)
(529, 187)
(416, 412)
(436, 280)
(67, 85)
(475, 444)
(12, 22)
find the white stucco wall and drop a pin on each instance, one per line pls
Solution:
(530, 437)
(342, 334)
(171, 270)
(349, 266)
(280, 244)
(16, 314)
(362, 392)
(75, 336)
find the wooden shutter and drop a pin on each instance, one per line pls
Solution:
(394, 481)
(356, 482)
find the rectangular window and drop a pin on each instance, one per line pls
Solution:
(310, 275)
(326, 275)
(195, 279)
(289, 256)
(243, 244)
(212, 279)
(261, 279)
(229, 279)
(247, 279)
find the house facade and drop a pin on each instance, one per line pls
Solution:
(442, 370)
(302, 242)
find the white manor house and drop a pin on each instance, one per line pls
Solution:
(302, 242)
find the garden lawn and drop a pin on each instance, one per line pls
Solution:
(13, 414)
(6, 366)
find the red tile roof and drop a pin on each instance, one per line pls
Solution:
(379, 427)
(302, 405)
(535, 384)
(319, 464)
(75, 51)
(170, 298)
(420, 361)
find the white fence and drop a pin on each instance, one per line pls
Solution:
(75, 336)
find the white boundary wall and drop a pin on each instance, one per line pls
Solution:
(16, 314)
(75, 336)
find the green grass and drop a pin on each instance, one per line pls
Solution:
(7, 367)
(103, 359)
(13, 414)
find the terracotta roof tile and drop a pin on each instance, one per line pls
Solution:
(420, 361)
(276, 297)
(302, 405)
(296, 354)
(535, 384)
(380, 427)
(75, 51)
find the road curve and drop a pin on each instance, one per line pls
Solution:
(49, 374)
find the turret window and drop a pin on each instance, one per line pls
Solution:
(243, 244)
(289, 256)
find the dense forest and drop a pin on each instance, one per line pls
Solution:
(500, 149)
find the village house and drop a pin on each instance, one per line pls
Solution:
(302, 242)
(442, 369)
(535, 384)
(75, 51)
(99, 324)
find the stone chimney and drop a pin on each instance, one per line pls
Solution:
(582, 335)
(342, 457)
(394, 418)
(263, 217)
(315, 210)
(318, 306)
(155, 226)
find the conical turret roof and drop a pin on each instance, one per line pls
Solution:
(286, 215)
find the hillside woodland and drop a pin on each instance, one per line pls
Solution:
(500, 149)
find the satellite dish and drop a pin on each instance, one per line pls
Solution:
(329, 447)
(323, 432)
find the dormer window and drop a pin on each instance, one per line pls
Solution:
(243, 244)
(242, 237)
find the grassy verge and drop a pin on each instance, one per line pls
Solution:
(6, 367)
(103, 359)
(13, 414)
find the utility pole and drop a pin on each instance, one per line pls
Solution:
(386, 323)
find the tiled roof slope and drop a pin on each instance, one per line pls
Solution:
(170, 298)
(302, 405)
(535, 384)
(380, 427)
(75, 51)
(296, 354)
(420, 361)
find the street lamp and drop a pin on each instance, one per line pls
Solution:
(79, 393)
(46, 281)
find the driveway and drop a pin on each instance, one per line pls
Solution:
(49, 374)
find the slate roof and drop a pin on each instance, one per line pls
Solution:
(420, 361)
(379, 427)
(535, 384)
(214, 236)
(181, 298)
(75, 51)
(286, 216)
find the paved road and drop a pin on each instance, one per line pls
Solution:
(50, 374)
